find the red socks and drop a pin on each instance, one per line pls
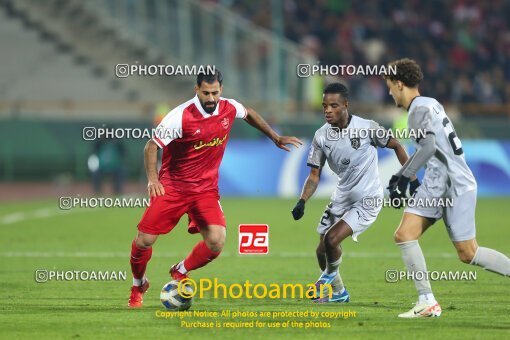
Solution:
(139, 259)
(199, 256)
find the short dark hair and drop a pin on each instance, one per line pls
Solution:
(408, 72)
(337, 88)
(209, 77)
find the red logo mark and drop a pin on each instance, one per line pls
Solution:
(225, 122)
(253, 239)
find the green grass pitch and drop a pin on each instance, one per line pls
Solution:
(37, 236)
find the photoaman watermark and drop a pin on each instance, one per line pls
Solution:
(188, 288)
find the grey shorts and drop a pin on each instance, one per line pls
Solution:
(459, 216)
(359, 216)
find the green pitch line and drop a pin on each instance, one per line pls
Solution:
(100, 239)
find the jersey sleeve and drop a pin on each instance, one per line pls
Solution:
(420, 119)
(378, 135)
(420, 123)
(170, 128)
(420, 157)
(241, 111)
(316, 157)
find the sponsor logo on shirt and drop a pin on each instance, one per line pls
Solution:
(213, 142)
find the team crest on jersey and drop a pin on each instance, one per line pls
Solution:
(225, 122)
(355, 143)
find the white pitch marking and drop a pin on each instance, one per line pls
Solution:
(40, 213)
(84, 254)
(47, 212)
(13, 218)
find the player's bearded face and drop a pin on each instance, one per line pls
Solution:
(209, 95)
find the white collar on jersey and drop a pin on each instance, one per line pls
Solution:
(411, 104)
(196, 101)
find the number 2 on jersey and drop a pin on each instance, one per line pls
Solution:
(325, 217)
(452, 137)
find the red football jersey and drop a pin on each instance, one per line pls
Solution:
(193, 143)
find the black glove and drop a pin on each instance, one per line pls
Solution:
(299, 209)
(393, 183)
(398, 190)
(413, 186)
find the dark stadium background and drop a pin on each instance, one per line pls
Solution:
(58, 71)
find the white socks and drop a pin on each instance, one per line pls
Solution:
(332, 268)
(415, 262)
(180, 268)
(427, 298)
(138, 282)
(492, 260)
(338, 284)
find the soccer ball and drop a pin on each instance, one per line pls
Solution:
(171, 298)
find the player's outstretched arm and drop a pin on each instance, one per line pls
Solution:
(311, 184)
(256, 120)
(154, 187)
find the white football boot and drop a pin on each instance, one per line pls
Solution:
(423, 310)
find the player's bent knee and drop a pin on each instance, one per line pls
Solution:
(466, 255)
(331, 241)
(402, 236)
(215, 241)
(215, 246)
(143, 245)
(398, 237)
(144, 241)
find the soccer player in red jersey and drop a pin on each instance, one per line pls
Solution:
(193, 137)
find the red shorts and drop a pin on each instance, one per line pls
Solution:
(164, 212)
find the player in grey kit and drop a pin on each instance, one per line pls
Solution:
(349, 145)
(446, 176)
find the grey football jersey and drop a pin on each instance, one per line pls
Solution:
(428, 115)
(351, 154)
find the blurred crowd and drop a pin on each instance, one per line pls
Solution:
(463, 46)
